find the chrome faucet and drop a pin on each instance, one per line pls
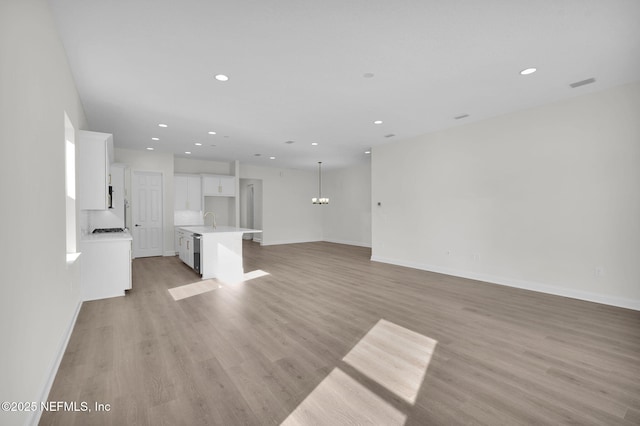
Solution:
(213, 222)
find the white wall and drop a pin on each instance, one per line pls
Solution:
(153, 161)
(287, 213)
(347, 217)
(543, 198)
(195, 166)
(40, 294)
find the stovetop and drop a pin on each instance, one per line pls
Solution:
(106, 230)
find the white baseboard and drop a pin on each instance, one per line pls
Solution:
(53, 370)
(349, 243)
(277, 243)
(523, 284)
(169, 253)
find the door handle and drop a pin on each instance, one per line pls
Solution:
(138, 225)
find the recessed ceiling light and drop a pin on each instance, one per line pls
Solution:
(528, 71)
(368, 75)
(187, 152)
(222, 77)
(377, 122)
(212, 133)
(314, 143)
(162, 125)
(290, 142)
(367, 152)
(257, 155)
(197, 144)
(272, 158)
(149, 148)
(155, 139)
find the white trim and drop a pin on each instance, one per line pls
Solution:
(523, 284)
(349, 243)
(277, 243)
(72, 258)
(34, 418)
(169, 253)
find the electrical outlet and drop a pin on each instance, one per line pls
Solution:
(448, 252)
(599, 271)
(476, 257)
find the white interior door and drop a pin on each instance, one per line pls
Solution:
(147, 214)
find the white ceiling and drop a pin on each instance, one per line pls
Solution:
(296, 69)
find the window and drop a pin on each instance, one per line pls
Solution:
(70, 188)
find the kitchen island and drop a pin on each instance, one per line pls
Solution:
(220, 251)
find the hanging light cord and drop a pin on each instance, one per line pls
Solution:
(319, 180)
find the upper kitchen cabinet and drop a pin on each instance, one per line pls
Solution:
(95, 155)
(219, 185)
(188, 192)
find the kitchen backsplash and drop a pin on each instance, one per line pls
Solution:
(187, 217)
(92, 219)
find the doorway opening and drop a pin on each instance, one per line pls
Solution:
(251, 207)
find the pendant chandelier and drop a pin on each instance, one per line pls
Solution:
(320, 199)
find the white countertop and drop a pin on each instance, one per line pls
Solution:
(107, 236)
(217, 229)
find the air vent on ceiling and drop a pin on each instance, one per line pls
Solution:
(582, 83)
(390, 135)
(461, 116)
(290, 142)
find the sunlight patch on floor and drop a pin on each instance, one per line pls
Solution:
(245, 277)
(200, 287)
(394, 357)
(255, 274)
(194, 289)
(341, 400)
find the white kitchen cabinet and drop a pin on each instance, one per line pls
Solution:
(219, 185)
(184, 241)
(105, 269)
(95, 155)
(176, 241)
(187, 192)
(181, 244)
(189, 250)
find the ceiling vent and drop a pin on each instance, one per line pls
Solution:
(582, 83)
(290, 142)
(461, 116)
(390, 135)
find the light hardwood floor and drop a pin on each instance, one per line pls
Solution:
(275, 348)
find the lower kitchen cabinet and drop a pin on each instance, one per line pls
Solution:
(184, 243)
(105, 268)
